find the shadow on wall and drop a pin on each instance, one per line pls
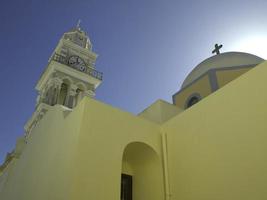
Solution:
(141, 165)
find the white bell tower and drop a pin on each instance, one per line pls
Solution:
(69, 76)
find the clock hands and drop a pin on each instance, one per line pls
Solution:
(77, 62)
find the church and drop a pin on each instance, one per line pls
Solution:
(209, 144)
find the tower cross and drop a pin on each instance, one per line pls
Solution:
(217, 49)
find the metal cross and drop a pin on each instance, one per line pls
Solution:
(217, 49)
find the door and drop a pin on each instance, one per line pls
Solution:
(126, 187)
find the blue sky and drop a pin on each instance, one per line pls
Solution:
(146, 48)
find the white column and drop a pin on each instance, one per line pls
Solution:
(51, 92)
(71, 96)
(57, 87)
(50, 95)
(46, 96)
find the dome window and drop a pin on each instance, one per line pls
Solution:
(193, 99)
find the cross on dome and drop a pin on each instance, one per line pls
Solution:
(217, 49)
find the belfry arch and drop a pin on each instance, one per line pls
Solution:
(63, 94)
(142, 173)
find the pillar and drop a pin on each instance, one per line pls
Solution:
(56, 89)
(71, 96)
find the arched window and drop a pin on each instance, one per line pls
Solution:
(193, 99)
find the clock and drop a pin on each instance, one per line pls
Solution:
(77, 63)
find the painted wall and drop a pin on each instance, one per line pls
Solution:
(79, 155)
(160, 112)
(44, 169)
(201, 86)
(217, 149)
(105, 134)
(225, 76)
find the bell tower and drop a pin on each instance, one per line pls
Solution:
(69, 76)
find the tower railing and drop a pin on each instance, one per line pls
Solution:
(92, 72)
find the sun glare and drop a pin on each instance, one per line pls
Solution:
(256, 45)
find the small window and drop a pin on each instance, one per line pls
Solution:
(192, 100)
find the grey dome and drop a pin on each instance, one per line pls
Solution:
(228, 59)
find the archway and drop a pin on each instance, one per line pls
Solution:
(142, 168)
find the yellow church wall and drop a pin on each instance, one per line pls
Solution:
(201, 87)
(217, 149)
(4, 176)
(44, 169)
(112, 142)
(127, 167)
(225, 76)
(79, 155)
(160, 111)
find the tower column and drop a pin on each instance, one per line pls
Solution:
(45, 95)
(50, 95)
(57, 87)
(71, 96)
(53, 91)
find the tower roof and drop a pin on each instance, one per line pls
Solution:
(228, 59)
(78, 36)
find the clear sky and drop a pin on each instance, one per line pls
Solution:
(146, 47)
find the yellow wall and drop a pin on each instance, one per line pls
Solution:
(79, 155)
(225, 76)
(160, 112)
(217, 148)
(44, 169)
(105, 133)
(201, 86)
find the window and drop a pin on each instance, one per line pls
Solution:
(193, 99)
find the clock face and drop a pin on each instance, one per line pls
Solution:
(77, 62)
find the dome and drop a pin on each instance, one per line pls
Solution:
(228, 59)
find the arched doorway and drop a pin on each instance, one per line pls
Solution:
(142, 173)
